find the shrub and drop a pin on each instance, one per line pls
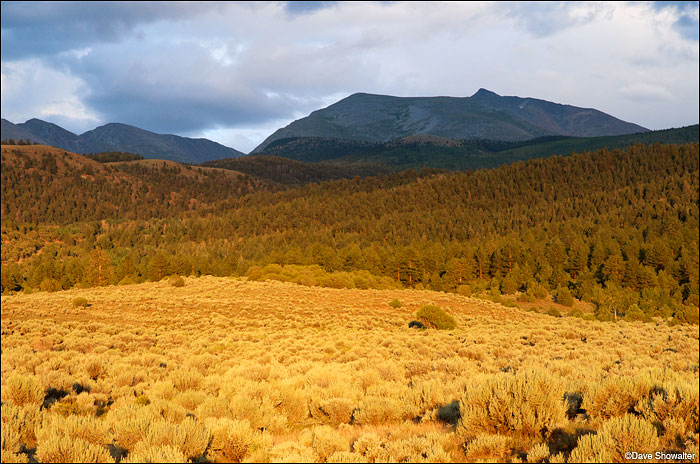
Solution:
(538, 453)
(50, 285)
(230, 440)
(65, 449)
(176, 281)
(184, 379)
(191, 438)
(130, 425)
(529, 404)
(126, 281)
(575, 312)
(434, 316)
(22, 422)
(23, 389)
(165, 453)
(9, 456)
(634, 313)
(672, 409)
(615, 438)
(564, 297)
(537, 290)
(80, 302)
(346, 456)
(488, 447)
(338, 410)
(553, 312)
(615, 396)
(395, 303)
(325, 441)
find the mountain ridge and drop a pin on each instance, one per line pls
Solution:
(120, 137)
(485, 115)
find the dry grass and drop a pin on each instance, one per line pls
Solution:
(233, 370)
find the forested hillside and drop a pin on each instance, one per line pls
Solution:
(443, 153)
(291, 172)
(618, 229)
(42, 184)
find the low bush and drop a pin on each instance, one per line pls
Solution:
(575, 312)
(176, 281)
(23, 390)
(488, 447)
(80, 302)
(616, 396)
(564, 297)
(395, 303)
(529, 404)
(553, 312)
(435, 317)
(617, 437)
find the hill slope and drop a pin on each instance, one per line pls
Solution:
(222, 357)
(443, 153)
(55, 186)
(120, 137)
(485, 115)
(291, 172)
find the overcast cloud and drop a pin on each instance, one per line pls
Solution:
(235, 72)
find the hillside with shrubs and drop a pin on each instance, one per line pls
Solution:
(221, 369)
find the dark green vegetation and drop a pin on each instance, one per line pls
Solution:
(80, 302)
(116, 137)
(484, 115)
(441, 153)
(435, 317)
(291, 172)
(615, 228)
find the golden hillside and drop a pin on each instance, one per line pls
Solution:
(227, 369)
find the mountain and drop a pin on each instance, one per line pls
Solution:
(484, 115)
(419, 151)
(11, 131)
(58, 136)
(120, 137)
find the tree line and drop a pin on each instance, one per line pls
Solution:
(617, 228)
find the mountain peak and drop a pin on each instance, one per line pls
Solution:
(482, 93)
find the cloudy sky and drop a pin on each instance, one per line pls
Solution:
(235, 72)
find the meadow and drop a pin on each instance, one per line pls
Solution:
(225, 369)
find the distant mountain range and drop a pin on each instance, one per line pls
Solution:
(485, 115)
(364, 128)
(119, 137)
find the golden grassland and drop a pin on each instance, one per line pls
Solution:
(225, 369)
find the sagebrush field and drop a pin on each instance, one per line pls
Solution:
(224, 369)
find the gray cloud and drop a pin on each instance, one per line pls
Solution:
(303, 7)
(48, 28)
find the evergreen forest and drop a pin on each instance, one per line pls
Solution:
(616, 228)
